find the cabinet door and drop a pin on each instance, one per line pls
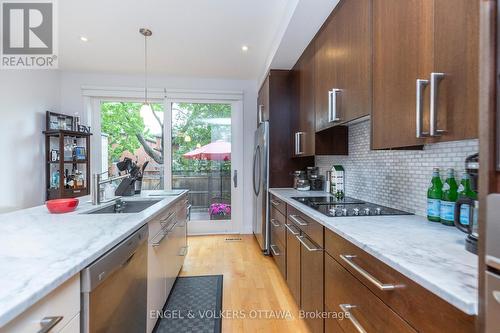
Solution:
(456, 52)
(293, 261)
(263, 102)
(344, 62)
(303, 135)
(402, 53)
(311, 282)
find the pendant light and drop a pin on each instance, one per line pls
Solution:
(146, 107)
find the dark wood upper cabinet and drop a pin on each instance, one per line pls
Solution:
(303, 124)
(343, 65)
(419, 40)
(263, 103)
(305, 141)
(274, 102)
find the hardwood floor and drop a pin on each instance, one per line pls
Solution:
(252, 283)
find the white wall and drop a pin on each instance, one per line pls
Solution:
(24, 98)
(72, 102)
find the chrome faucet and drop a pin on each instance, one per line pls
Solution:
(97, 181)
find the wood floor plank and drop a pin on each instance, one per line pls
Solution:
(252, 284)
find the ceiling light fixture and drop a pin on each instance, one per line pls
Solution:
(146, 107)
(84, 39)
(244, 48)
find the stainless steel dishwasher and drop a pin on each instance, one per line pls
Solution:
(114, 288)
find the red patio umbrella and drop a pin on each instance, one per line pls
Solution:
(219, 150)
(214, 151)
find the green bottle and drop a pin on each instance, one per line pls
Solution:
(465, 190)
(449, 199)
(434, 194)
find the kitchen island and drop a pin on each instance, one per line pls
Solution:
(40, 251)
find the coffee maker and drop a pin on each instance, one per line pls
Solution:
(470, 228)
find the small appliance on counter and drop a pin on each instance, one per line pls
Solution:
(468, 206)
(298, 175)
(316, 181)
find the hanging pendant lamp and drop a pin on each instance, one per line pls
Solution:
(146, 107)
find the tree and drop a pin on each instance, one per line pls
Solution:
(123, 123)
(191, 128)
(192, 121)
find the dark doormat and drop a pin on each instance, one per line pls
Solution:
(194, 306)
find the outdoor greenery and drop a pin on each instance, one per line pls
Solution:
(123, 123)
(191, 129)
(126, 129)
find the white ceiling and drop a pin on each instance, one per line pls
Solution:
(201, 38)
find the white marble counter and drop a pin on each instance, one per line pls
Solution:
(430, 254)
(40, 251)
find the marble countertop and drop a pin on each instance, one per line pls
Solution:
(39, 251)
(428, 253)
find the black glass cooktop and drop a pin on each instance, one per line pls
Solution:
(332, 207)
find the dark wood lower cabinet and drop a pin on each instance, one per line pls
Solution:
(293, 261)
(311, 282)
(364, 311)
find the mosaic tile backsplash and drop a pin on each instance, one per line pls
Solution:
(395, 178)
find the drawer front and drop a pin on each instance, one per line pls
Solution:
(311, 283)
(293, 262)
(419, 307)
(279, 255)
(278, 204)
(277, 224)
(73, 326)
(312, 228)
(63, 302)
(361, 309)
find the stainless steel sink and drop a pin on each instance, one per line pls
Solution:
(125, 207)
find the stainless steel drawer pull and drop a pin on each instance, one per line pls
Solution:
(292, 230)
(273, 222)
(48, 323)
(346, 309)
(384, 287)
(275, 203)
(421, 84)
(275, 253)
(297, 219)
(434, 85)
(156, 242)
(310, 247)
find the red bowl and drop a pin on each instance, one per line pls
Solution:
(61, 206)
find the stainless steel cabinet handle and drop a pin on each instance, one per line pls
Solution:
(421, 84)
(275, 203)
(297, 219)
(382, 286)
(164, 220)
(292, 230)
(333, 105)
(48, 323)
(310, 248)
(273, 222)
(298, 143)
(275, 253)
(156, 242)
(434, 85)
(346, 309)
(260, 114)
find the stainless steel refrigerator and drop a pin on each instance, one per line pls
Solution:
(261, 186)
